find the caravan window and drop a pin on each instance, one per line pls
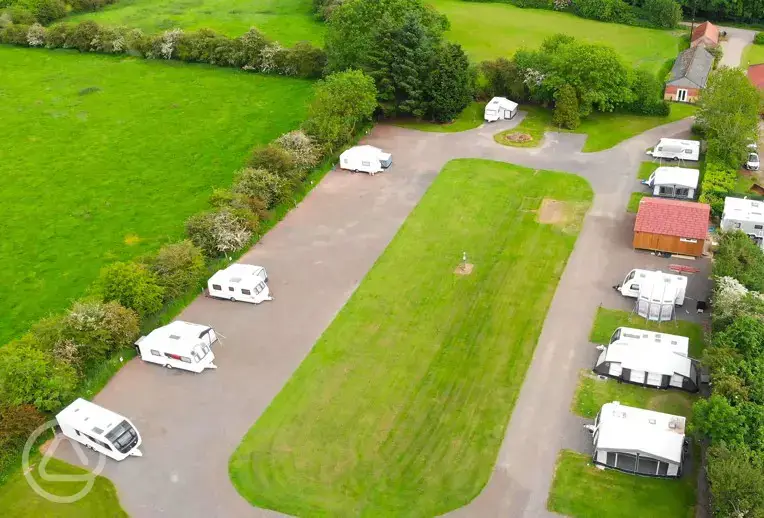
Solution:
(123, 437)
(366, 163)
(758, 227)
(630, 277)
(616, 336)
(199, 352)
(216, 287)
(666, 191)
(259, 288)
(688, 151)
(154, 352)
(681, 191)
(230, 288)
(246, 292)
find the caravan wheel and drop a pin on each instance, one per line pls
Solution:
(138, 350)
(167, 366)
(233, 299)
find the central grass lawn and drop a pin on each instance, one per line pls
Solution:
(471, 117)
(493, 30)
(402, 405)
(593, 392)
(582, 491)
(604, 130)
(286, 21)
(18, 500)
(103, 159)
(752, 55)
(608, 320)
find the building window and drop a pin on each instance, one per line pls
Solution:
(681, 95)
(686, 240)
(216, 287)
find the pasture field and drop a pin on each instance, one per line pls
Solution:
(493, 30)
(285, 21)
(402, 404)
(104, 158)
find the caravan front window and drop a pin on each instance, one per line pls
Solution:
(199, 352)
(616, 336)
(259, 288)
(123, 437)
(630, 277)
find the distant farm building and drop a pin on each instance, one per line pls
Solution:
(689, 75)
(705, 34)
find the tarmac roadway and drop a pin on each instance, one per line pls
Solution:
(316, 257)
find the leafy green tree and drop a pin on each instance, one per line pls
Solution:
(133, 286)
(29, 376)
(736, 476)
(746, 334)
(566, 108)
(728, 111)
(662, 13)
(178, 267)
(450, 84)
(739, 257)
(342, 102)
(716, 419)
(503, 78)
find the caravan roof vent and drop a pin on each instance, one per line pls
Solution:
(652, 421)
(97, 430)
(174, 337)
(235, 279)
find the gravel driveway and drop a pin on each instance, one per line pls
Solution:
(315, 258)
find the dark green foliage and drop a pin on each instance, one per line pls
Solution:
(736, 476)
(14, 34)
(717, 52)
(566, 108)
(132, 285)
(739, 257)
(48, 11)
(178, 268)
(449, 87)
(605, 10)
(82, 35)
(21, 15)
(305, 60)
(662, 13)
(716, 419)
(759, 38)
(503, 79)
(274, 159)
(260, 183)
(648, 94)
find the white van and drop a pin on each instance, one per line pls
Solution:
(676, 149)
(365, 159)
(240, 282)
(99, 429)
(180, 345)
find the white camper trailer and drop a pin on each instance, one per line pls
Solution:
(656, 292)
(181, 345)
(500, 108)
(744, 215)
(674, 182)
(99, 429)
(646, 358)
(240, 282)
(365, 159)
(638, 441)
(675, 149)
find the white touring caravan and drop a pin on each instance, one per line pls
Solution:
(744, 215)
(500, 108)
(240, 282)
(638, 441)
(675, 149)
(365, 159)
(674, 182)
(656, 292)
(182, 345)
(650, 359)
(99, 429)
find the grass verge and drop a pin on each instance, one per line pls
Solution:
(471, 117)
(401, 406)
(581, 490)
(752, 55)
(607, 320)
(634, 200)
(646, 169)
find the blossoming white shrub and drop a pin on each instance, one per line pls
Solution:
(170, 42)
(269, 58)
(36, 35)
(301, 147)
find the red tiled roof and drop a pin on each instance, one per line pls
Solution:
(673, 218)
(706, 29)
(756, 75)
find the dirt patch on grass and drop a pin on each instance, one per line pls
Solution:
(561, 214)
(464, 269)
(518, 138)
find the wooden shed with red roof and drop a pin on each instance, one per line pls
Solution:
(706, 33)
(677, 227)
(756, 75)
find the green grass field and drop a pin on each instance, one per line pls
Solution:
(471, 117)
(104, 158)
(634, 200)
(582, 491)
(18, 500)
(492, 30)
(402, 404)
(592, 393)
(604, 130)
(646, 169)
(286, 21)
(608, 320)
(752, 55)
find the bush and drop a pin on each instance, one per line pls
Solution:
(736, 476)
(57, 36)
(21, 16)
(17, 422)
(218, 232)
(503, 79)
(260, 183)
(133, 286)
(178, 268)
(605, 10)
(48, 11)
(29, 376)
(566, 108)
(15, 34)
(96, 329)
(450, 84)
(662, 13)
(251, 46)
(759, 38)
(739, 257)
(305, 60)
(36, 35)
(301, 148)
(648, 93)
(273, 158)
(82, 35)
(717, 52)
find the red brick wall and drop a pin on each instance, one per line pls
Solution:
(669, 94)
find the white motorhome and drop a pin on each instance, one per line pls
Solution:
(656, 292)
(676, 149)
(499, 108)
(744, 215)
(674, 182)
(366, 159)
(651, 359)
(638, 441)
(240, 282)
(99, 429)
(180, 345)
